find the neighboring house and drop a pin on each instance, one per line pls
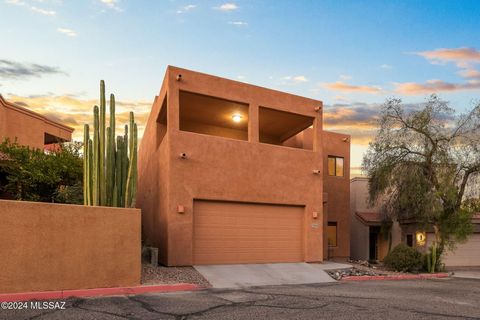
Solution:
(369, 238)
(235, 173)
(30, 128)
(368, 242)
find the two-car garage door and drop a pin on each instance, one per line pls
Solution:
(230, 232)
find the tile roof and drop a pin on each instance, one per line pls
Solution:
(369, 217)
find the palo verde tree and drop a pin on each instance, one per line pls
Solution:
(424, 165)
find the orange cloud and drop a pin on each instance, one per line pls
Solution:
(433, 86)
(469, 74)
(358, 120)
(460, 56)
(75, 112)
(345, 87)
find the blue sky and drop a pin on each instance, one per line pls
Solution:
(350, 54)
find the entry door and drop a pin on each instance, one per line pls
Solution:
(373, 248)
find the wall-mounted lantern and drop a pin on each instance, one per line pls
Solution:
(421, 238)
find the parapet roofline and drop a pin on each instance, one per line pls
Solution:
(26, 111)
(171, 68)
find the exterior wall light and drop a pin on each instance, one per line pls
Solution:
(421, 238)
(236, 118)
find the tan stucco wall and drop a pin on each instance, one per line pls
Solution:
(338, 190)
(219, 168)
(28, 127)
(359, 241)
(55, 247)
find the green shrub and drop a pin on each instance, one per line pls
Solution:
(404, 258)
(34, 175)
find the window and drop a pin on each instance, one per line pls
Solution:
(332, 234)
(335, 166)
(162, 122)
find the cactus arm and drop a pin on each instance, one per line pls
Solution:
(118, 173)
(108, 169)
(112, 148)
(90, 172)
(131, 168)
(101, 142)
(434, 257)
(96, 156)
(135, 168)
(86, 138)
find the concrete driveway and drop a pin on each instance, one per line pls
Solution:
(468, 273)
(253, 275)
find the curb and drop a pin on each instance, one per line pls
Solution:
(421, 276)
(96, 292)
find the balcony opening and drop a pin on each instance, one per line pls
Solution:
(162, 122)
(213, 116)
(285, 128)
(52, 143)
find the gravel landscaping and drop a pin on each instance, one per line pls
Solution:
(170, 275)
(339, 274)
(362, 268)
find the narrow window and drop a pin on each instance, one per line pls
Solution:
(162, 122)
(335, 166)
(332, 234)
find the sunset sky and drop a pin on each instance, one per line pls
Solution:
(350, 54)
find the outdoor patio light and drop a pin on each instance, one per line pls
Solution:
(421, 238)
(237, 118)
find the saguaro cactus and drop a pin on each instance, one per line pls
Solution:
(110, 164)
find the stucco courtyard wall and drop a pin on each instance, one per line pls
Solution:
(55, 247)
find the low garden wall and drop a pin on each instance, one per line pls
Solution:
(47, 246)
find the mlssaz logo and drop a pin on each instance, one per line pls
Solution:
(47, 305)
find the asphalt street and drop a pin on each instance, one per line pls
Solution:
(421, 299)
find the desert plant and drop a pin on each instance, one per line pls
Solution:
(110, 165)
(424, 165)
(404, 258)
(34, 175)
(432, 259)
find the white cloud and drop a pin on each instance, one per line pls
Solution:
(43, 11)
(186, 8)
(386, 66)
(67, 32)
(15, 2)
(238, 23)
(345, 77)
(112, 4)
(229, 6)
(295, 79)
(19, 3)
(300, 79)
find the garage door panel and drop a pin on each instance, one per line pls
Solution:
(227, 232)
(465, 254)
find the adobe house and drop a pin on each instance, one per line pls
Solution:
(367, 242)
(369, 237)
(230, 172)
(30, 128)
